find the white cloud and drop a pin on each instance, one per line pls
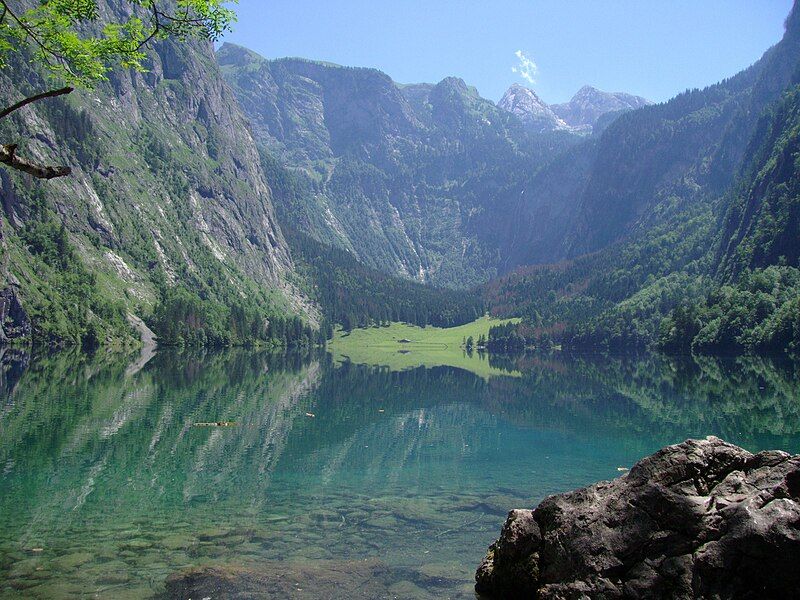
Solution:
(526, 68)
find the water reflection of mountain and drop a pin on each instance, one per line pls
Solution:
(644, 401)
(83, 438)
(751, 401)
(319, 458)
(71, 407)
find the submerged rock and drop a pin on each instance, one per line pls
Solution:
(367, 579)
(318, 579)
(701, 519)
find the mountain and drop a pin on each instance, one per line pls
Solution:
(425, 181)
(687, 151)
(530, 109)
(687, 206)
(413, 180)
(647, 166)
(669, 222)
(589, 104)
(762, 221)
(581, 114)
(167, 214)
(754, 304)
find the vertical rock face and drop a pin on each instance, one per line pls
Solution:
(167, 182)
(701, 519)
(184, 101)
(228, 196)
(14, 321)
(412, 179)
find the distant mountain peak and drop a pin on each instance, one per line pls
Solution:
(589, 104)
(233, 54)
(586, 90)
(530, 109)
(456, 82)
(520, 96)
(580, 114)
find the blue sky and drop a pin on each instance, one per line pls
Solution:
(655, 48)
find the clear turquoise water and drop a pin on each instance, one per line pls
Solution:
(107, 487)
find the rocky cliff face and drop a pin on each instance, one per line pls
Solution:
(412, 179)
(167, 184)
(702, 519)
(306, 110)
(762, 224)
(14, 321)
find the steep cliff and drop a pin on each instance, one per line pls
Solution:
(166, 194)
(413, 179)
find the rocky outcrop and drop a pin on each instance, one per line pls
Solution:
(701, 519)
(14, 321)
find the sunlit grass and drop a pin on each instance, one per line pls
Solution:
(401, 346)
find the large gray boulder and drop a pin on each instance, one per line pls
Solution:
(701, 519)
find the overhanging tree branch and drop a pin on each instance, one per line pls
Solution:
(8, 156)
(8, 152)
(29, 32)
(67, 39)
(50, 94)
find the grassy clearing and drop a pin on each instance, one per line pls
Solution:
(401, 346)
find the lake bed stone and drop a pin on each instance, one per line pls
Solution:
(334, 580)
(72, 561)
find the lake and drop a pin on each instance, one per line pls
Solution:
(324, 479)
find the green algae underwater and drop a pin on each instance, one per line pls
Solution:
(390, 482)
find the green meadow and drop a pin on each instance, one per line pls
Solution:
(400, 346)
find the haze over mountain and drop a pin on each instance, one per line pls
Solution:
(410, 178)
